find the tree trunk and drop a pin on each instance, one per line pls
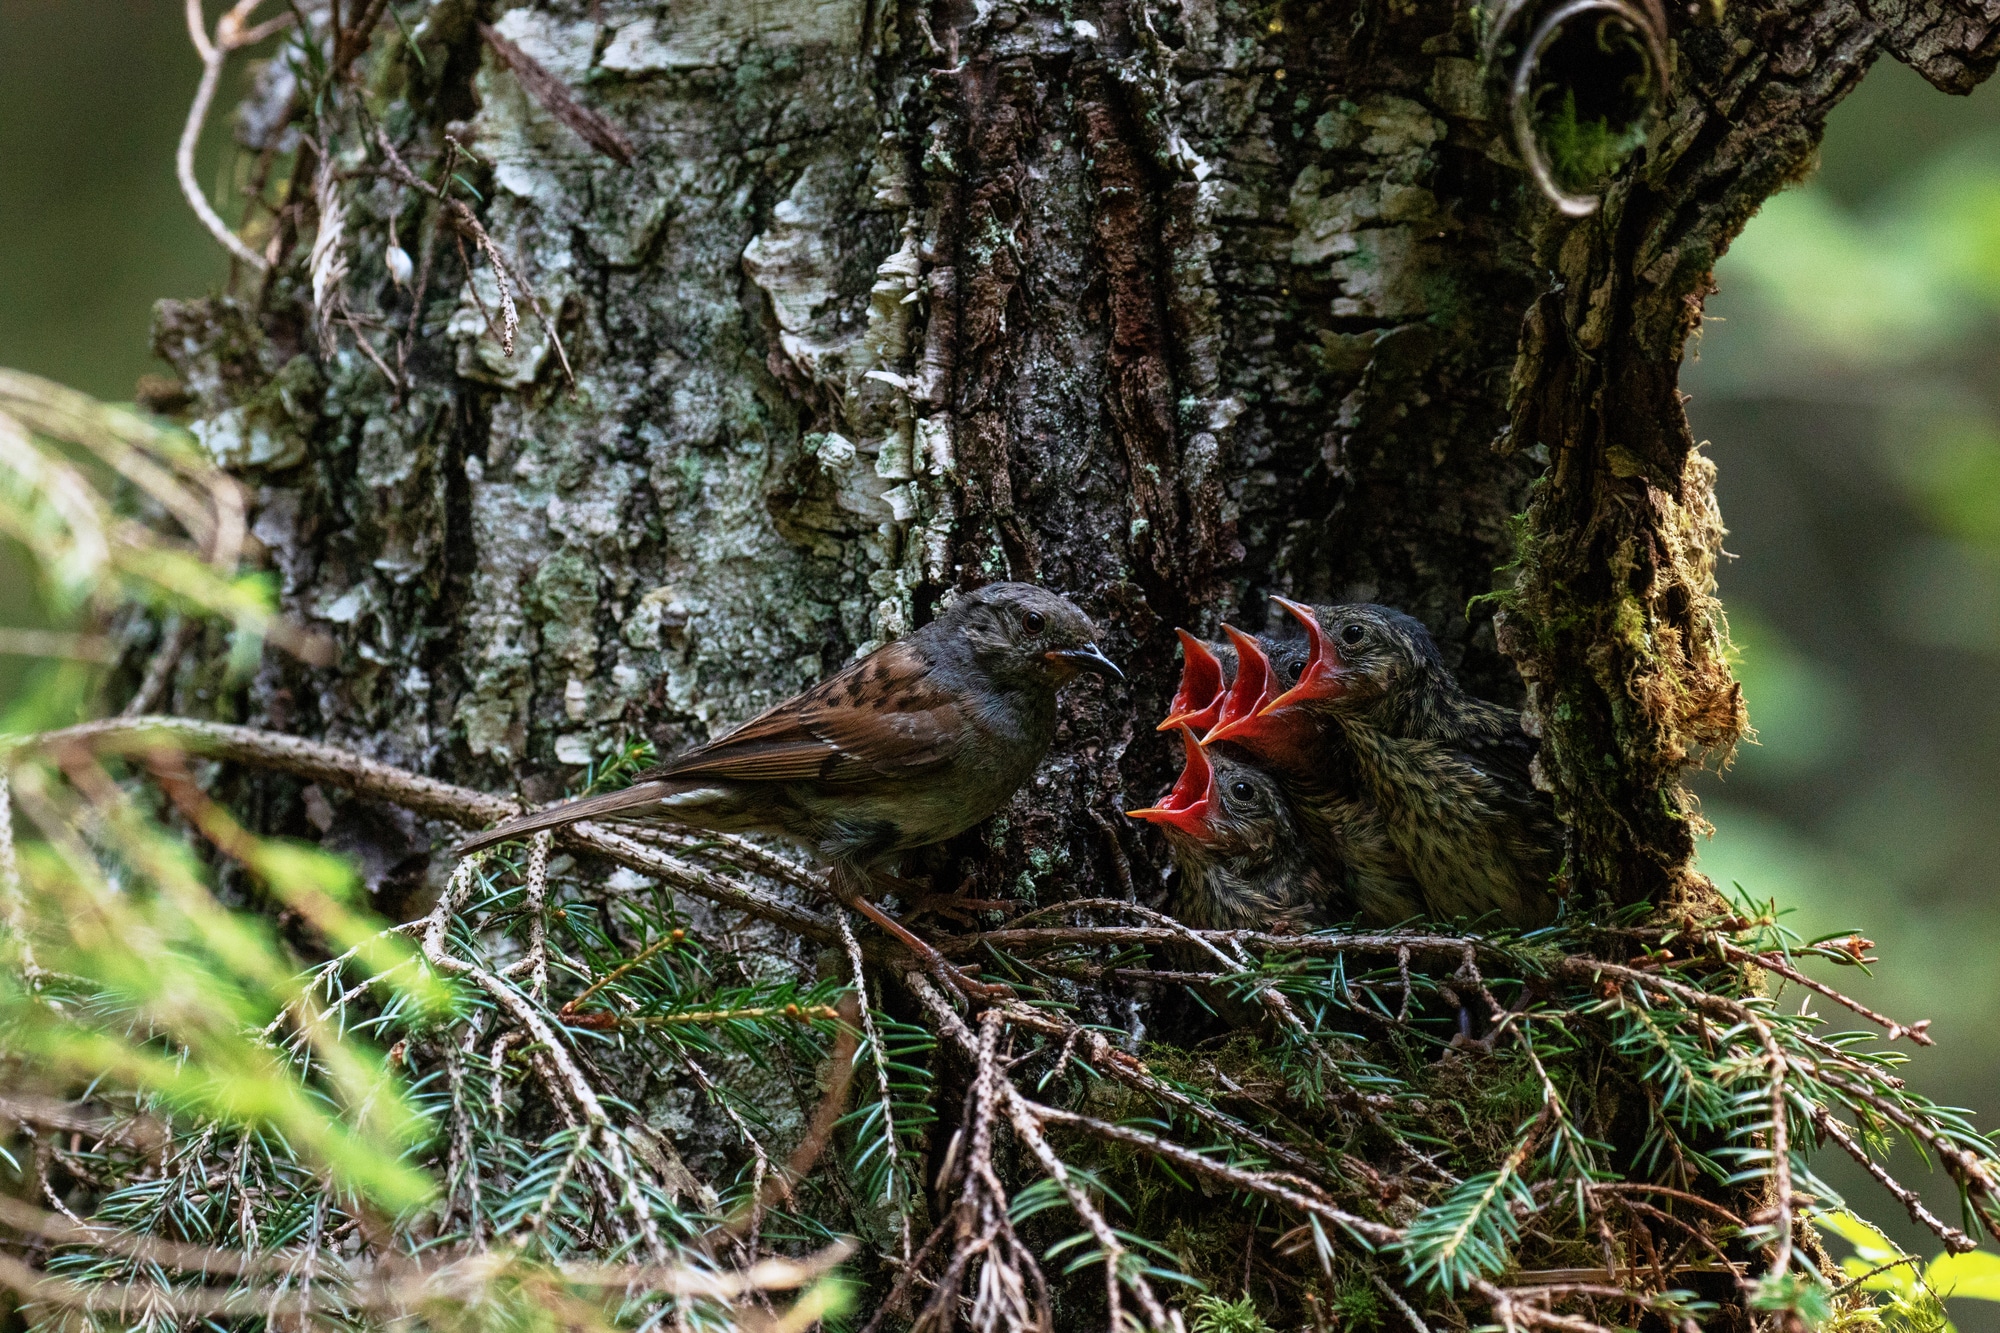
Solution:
(1167, 308)
(1169, 312)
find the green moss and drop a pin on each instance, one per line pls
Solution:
(1212, 1314)
(1582, 153)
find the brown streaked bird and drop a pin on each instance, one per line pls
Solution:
(911, 745)
(1243, 862)
(1252, 857)
(1335, 822)
(1449, 773)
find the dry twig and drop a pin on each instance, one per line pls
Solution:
(557, 99)
(230, 35)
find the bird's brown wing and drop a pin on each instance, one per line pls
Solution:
(1510, 758)
(884, 716)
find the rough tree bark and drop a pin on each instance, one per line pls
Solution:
(1167, 306)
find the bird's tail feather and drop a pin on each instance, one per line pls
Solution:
(568, 812)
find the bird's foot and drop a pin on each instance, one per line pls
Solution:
(985, 992)
(954, 977)
(956, 907)
(919, 901)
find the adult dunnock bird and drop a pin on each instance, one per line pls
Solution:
(911, 745)
(1448, 772)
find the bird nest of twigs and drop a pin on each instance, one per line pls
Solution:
(1589, 1126)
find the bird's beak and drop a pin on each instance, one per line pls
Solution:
(1186, 807)
(1198, 702)
(1274, 737)
(1324, 675)
(1089, 658)
(1249, 692)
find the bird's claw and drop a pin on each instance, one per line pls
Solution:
(956, 907)
(987, 992)
(917, 900)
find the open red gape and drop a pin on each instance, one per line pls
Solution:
(1274, 729)
(1186, 807)
(1323, 676)
(1198, 702)
(1251, 689)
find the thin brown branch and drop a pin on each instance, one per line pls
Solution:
(1266, 1184)
(15, 949)
(1027, 1120)
(318, 762)
(551, 1047)
(56, 1230)
(178, 636)
(537, 878)
(350, 42)
(1116, 1064)
(1403, 1307)
(838, 1076)
(1644, 1187)
(1917, 1032)
(467, 222)
(230, 35)
(406, 1286)
(368, 349)
(1018, 939)
(1954, 1239)
(572, 1008)
(879, 1058)
(603, 1022)
(557, 99)
(141, 1133)
(1254, 1182)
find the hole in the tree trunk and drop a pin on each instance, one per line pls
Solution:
(1591, 99)
(1583, 91)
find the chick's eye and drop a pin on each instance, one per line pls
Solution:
(1351, 634)
(1034, 622)
(1240, 789)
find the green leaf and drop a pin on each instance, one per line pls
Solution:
(1469, 1235)
(1974, 1276)
(1870, 1245)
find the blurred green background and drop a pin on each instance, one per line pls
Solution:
(93, 229)
(92, 226)
(1849, 385)
(1849, 381)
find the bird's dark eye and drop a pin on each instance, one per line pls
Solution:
(1034, 622)
(1240, 789)
(1351, 634)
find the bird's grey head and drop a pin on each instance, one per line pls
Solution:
(1383, 651)
(1024, 635)
(1250, 815)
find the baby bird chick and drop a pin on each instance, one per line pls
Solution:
(1244, 861)
(1449, 773)
(1342, 828)
(1211, 684)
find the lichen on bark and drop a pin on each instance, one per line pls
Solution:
(1165, 309)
